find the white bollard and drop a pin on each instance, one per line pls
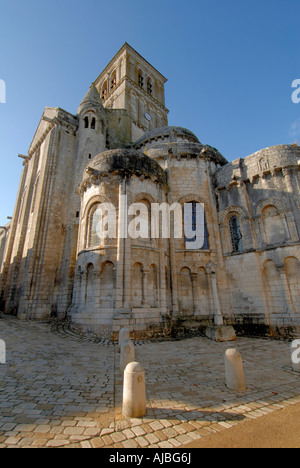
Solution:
(124, 334)
(295, 353)
(235, 378)
(127, 354)
(134, 391)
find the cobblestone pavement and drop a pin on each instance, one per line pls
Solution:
(58, 390)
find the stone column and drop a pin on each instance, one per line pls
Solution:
(194, 278)
(219, 331)
(97, 290)
(122, 224)
(218, 317)
(287, 299)
(162, 278)
(145, 288)
(127, 273)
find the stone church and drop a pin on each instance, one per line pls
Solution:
(53, 264)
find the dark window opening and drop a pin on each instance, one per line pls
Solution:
(113, 83)
(141, 80)
(236, 235)
(86, 122)
(194, 227)
(93, 124)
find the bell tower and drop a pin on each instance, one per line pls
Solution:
(129, 82)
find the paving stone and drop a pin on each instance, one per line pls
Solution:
(74, 396)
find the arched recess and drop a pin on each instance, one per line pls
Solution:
(147, 200)
(274, 225)
(137, 285)
(89, 228)
(94, 218)
(186, 303)
(107, 285)
(292, 272)
(271, 216)
(275, 289)
(203, 292)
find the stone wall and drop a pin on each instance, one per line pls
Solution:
(261, 191)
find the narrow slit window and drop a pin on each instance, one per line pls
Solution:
(193, 224)
(104, 91)
(149, 87)
(113, 82)
(141, 80)
(236, 235)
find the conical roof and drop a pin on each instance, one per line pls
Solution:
(91, 99)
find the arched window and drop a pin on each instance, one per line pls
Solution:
(192, 215)
(236, 235)
(104, 91)
(86, 122)
(113, 81)
(93, 124)
(93, 235)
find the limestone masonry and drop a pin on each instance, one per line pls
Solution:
(53, 264)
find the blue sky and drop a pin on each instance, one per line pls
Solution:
(229, 63)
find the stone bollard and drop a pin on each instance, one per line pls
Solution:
(124, 334)
(127, 354)
(235, 378)
(2, 352)
(134, 391)
(295, 354)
